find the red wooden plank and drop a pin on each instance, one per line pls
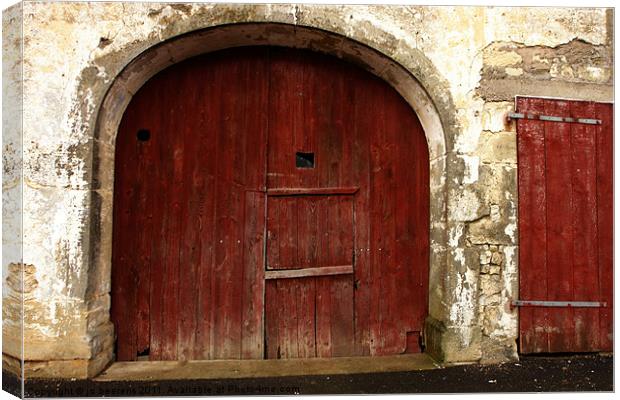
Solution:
(176, 158)
(273, 233)
(323, 298)
(532, 226)
(560, 229)
(285, 112)
(192, 192)
(329, 138)
(585, 259)
(604, 178)
(307, 252)
(229, 205)
(411, 222)
(287, 227)
(288, 319)
(121, 274)
(324, 315)
(363, 118)
(378, 191)
(341, 316)
(337, 252)
(393, 339)
(308, 231)
(206, 217)
(421, 222)
(144, 243)
(253, 277)
(159, 139)
(205, 311)
(306, 318)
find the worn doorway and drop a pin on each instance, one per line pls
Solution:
(269, 203)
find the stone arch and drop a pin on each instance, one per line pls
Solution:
(406, 69)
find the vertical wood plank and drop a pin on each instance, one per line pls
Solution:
(158, 268)
(206, 216)
(307, 258)
(341, 315)
(121, 311)
(420, 184)
(586, 285)
(177, 180)
(560, 229)
(253, 303)
(272, 312)
(363, 118)
(143, 238)
(532, 226)
(604, 186)
(187, 111)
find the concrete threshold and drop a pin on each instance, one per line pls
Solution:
(227, 369)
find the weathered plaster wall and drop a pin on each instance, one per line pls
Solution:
(471, 61)
(12, 88)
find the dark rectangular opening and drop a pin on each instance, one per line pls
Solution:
(304, 160)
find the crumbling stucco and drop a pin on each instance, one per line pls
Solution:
(468, 61)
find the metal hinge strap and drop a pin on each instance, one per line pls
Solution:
(543, 303)
(550, 118)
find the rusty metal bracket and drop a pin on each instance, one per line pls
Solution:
(550, 118)
(545, 303)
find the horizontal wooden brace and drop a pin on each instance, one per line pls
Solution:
(545, 303)
(550, 118)
(306, 272)
(312, 191)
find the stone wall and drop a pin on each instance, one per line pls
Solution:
(470, 62)
(13, 287)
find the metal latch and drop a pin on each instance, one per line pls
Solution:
(544, 303)
(550, 118)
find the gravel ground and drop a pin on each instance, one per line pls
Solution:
(530, 374)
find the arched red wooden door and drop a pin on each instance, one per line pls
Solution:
(269, 202)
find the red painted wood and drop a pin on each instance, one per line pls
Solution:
(189, 255)
(160, 179)
(532, 225)
(360, 172)
(563, 228)
(293, 330)
(252, 345)
(121, 282)
(560, 229)
(196, 209)
(378, 146)
(193, 203)
(604, 187)
(586, 280)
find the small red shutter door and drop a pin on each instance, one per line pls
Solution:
(309, 288)
(565, 225)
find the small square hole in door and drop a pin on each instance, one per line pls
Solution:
(304, 160)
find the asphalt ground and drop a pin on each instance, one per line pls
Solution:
(574, 373)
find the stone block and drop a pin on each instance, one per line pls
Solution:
(498, 147)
